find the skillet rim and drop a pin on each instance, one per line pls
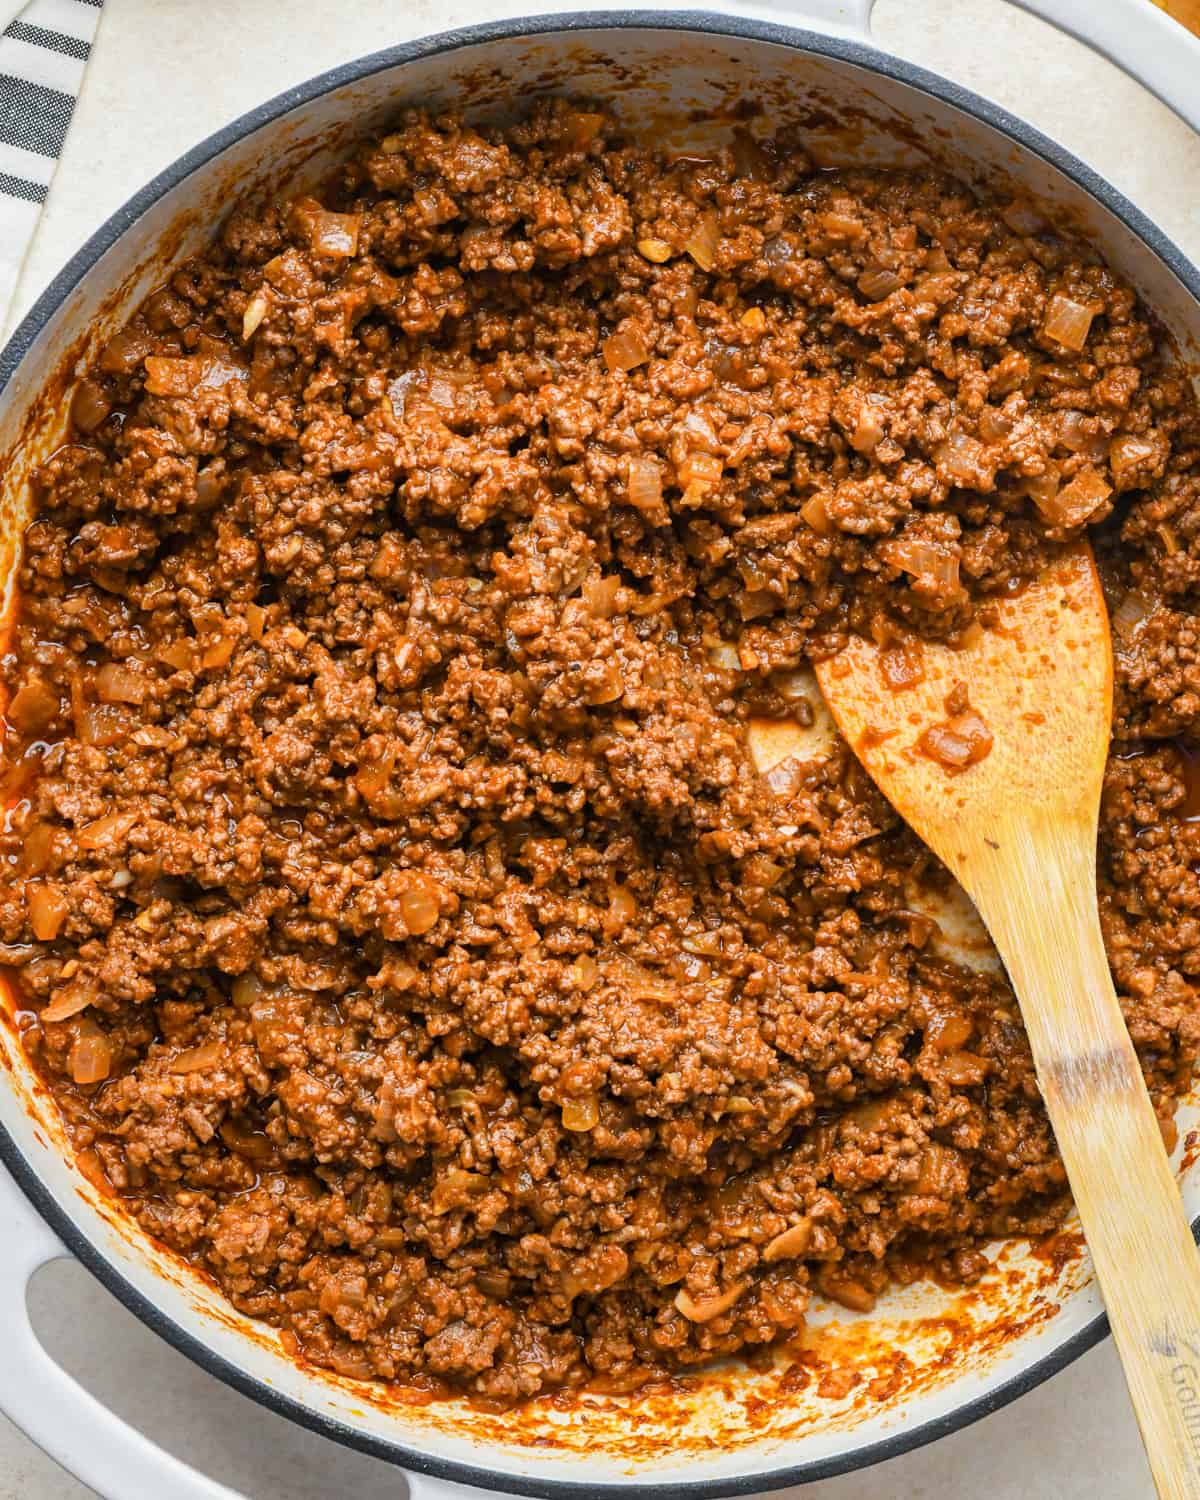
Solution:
(49, 303)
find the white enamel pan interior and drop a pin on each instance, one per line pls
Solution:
(662, 71)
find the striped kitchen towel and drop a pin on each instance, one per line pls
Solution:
(43, 53)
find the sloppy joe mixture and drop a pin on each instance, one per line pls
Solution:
(398, 909)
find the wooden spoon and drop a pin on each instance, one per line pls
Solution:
(1017, 826)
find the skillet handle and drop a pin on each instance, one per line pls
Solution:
(63, 1419)
(1140, 39)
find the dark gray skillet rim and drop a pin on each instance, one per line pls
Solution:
(44, 309)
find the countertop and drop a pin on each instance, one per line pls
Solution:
(1072, 1439)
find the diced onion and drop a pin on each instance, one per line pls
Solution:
(419, 902)
(964, 1069)
(846, 1290)
(995, 424)
(102, 723)
(495, 1283)
(703, 468)
(725, 656)
(179, 654)
(948, 1030)
(1068, 322)
(657, 251)
(374, 782)
(256, 311)
(396, 1238)
(107, 830)
(645, 485)
(962, 741)
(761, 871)
(842, 226)
(794, 687)
(754, 604)
(785, 776)
(685, 301)
(1081, 434)
(91, 1057)
(814, 512)
(152, 737)
(607, 686)
(961, 457)
(247, 988)
(251, 1144)
(118, 683)
(210, 483)
(622, 908)
(267, 1017)
(406, 388)
(48, 910)
(584, 972)
(167, 376)
(792, 1242)
(171, 377)
(332, 234)
(34, 706)
(1077, 501)
(1131, 614)
(40, 848)
(197, 1059)
(868, 427)
(217, 653)
(1042, 488)
(69, 1001)
(902, 667)
(600, 595)
(580, 1115)
(626, 348)
(876, 285)
(455, 1185)
(1128, 453)
(702, 243)
(219, 372)
(708, 1307)
(932, 565)
(122, 354)
(89, 405)
(699, 432)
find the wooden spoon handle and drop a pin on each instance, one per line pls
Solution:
(1043, 919)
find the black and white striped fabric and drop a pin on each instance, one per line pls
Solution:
(43, 53)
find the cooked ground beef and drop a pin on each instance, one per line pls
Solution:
(402, 921)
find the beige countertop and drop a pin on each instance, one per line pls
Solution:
(158, 84)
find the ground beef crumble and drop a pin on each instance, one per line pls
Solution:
(398, 913)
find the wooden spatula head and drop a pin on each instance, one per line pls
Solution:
(1013, 722)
